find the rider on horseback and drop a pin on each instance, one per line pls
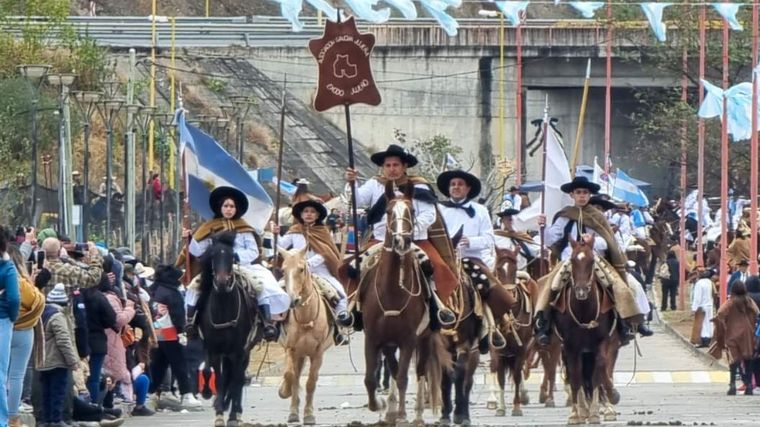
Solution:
(229, 205)
(460, 212)
(584, 222)
(428, 228)
(508, 237)
(323, 258)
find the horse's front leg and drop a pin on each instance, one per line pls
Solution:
(286, 388)
(575, 379)
(236, 391)
(499, 367)
(446, 384)
(216, 363)
(311, 385)
(402, 380)
(371, 359)
(295, 399)
(518, 380)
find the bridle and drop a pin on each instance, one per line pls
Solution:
(402, 228)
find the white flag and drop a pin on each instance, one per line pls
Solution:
(557, 173)
(602, 178)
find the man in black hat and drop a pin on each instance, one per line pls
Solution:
(582, 222)
(740, 275)
(514, 197)
(394, 162)
(462, 215)
(508, 237)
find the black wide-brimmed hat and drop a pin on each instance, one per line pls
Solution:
(299, 207)
(444, 179)
(507, 209)
(220, 194)
(602, 203)
(394, 150)
(580, 182)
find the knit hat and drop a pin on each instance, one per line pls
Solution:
(58, 295)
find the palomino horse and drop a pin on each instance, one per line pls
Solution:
(462, 344)
(584, 321)
(307, 333)
(516, 326)
(394, 301)
(229, 326)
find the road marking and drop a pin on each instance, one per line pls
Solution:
(621, 378)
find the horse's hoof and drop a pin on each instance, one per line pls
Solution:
(233, 423)
(593, 419)
(524, 397)
(541, 398)
(610, 417)
(568, 403)
(517, 412)
(574, 420)
(501, 412)
(458, 419)
(377, 405)
(444, 421)
(309, 420)
(284, 391)
(219, 421)
(293, 418)
(549, 403)
(615, 397)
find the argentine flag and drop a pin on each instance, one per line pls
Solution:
(209, 166)
(624, 189)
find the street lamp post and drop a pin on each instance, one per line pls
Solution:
(86, 103)
(109, 112)
(164, 121)
(65, 190)
(33, 75)
(143, 122)
(129, 175)
(242, 106)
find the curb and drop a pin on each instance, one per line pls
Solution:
(687, 343)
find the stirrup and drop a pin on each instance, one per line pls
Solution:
(446, 317)
(345, 319)
(496, 340)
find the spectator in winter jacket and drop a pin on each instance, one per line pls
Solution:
(670, 282)
(72, 275)
(169, 307)
(60, 357)
(115, 364)
(100, 317)
(10, 302)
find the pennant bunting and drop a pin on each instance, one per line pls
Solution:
(728, 12)
(364, 10)
(513, 10)
(437, 9)
(653, 12)
(586, 8)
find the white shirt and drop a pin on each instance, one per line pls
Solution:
(424, 213)
(245, 247)
(315, 261)
(477, 229)
(702, 296)
(554, 234)
(623, 235)
(509, 243)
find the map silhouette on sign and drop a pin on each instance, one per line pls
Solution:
(343, 60)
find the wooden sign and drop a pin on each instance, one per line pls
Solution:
(345, 75)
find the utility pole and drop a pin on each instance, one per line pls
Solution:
(129, 158)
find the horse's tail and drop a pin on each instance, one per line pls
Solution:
(439, 359)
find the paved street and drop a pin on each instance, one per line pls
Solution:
(671, 386)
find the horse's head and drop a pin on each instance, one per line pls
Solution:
(400, 225)
(295, 273)
(506, 264)
(582, 262)
(218, 261)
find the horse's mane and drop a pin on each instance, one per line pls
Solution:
(223, 239)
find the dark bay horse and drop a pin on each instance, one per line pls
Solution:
(584, 321)
(394, 302)
(462, 343)
(229, 326)
(516, 326)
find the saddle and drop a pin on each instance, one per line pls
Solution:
(479, 274)
(560, 285)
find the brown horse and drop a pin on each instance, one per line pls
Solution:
(516, 326)
(394, 302)
(308, 333)
(462, 345)
(584, 321)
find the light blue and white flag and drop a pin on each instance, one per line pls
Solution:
(728, 12)
(291, 9)
(437, 9)
(513, 10)
(209, 166)
(653, 12)
(624, 189)
(739, 108)
(406, 7)
(364, 10)
(587, 9)
(286, 187)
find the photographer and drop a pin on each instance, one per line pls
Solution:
(72, 275)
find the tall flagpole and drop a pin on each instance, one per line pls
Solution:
(608, 92)
(543, 180)
(682, 220)
(701, 139)
(753, 147)
(581, 119)
(279, 166)
(519, 101)
(724, 175)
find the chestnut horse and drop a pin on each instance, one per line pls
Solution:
(516, 326)
(308, 333)
(585, 324)
(393, 296)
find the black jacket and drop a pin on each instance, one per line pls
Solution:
(100, 316)
(753, 288)
(674, 269)
(168, 294)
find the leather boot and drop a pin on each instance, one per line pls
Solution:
(624, 331)
(271, 331)
(543, 328)
(644, 330)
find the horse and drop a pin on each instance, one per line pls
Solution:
(308, 332)
(462, 344)
(229, 326)
(516, 326)
(393, 297)
(584, 321)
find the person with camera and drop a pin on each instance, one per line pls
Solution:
(72, 275)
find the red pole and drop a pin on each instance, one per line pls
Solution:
(724, 175)
(518, 97)
(608, 92)
(682, 224)
(701, 138)
(753, 147)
